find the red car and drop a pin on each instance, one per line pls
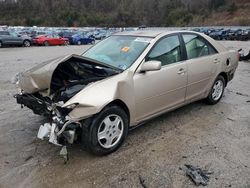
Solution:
(49, 40)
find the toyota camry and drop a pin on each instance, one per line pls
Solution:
(123, 81)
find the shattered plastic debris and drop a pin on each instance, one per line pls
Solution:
(64, 154)
(197, 175)
(242, 94)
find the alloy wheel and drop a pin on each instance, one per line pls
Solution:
(110, 131)
(26, 43)
(217, 90)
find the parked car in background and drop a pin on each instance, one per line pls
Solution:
(67, 34)
(220, 34)
(12, 38)
(81, 38)
(206, 31)
(123, 81)
(245, 35)
(101, 34)
(34, 33)
(234, 34)
(50, 40)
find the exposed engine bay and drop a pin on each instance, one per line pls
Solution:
(67, 79)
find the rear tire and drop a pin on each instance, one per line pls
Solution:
(66, 43)
(26, 43)
(1, 44)
(217, 91)
(106, 131)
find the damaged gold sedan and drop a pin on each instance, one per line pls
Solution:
(123, 81)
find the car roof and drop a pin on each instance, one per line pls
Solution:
(149, 33)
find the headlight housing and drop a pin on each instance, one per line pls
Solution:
(72, 106)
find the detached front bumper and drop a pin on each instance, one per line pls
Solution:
(59, 135)
(48, 131)
(60, 128)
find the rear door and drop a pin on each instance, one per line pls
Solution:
(202, 60)
(157, 91)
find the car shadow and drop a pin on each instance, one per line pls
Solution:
(152, 129)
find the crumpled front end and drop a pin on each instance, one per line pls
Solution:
(39, 77)
(48, 88)
(60, 128)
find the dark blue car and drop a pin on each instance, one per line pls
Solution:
(81, 38)
(220, 34)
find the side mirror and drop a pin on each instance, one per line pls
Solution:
(151, 66)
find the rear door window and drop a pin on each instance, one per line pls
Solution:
(196, 46)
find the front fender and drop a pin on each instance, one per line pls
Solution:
(93, 98)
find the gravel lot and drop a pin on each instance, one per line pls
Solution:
(216, 138)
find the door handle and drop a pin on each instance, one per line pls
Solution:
(181, 71)
(216, 61)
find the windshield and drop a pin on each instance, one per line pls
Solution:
(118, 51)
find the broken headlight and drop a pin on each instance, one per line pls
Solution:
(72, 106)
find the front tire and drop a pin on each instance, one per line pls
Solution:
(46, 43)
(217, 91)
(106, 132)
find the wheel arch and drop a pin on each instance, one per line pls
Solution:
(26, 40)
(121, 104)
(224, 75)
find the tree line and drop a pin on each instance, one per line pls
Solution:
(108, 13)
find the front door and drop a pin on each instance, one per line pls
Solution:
(157, 91)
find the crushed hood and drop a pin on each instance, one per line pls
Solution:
(39, 77)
